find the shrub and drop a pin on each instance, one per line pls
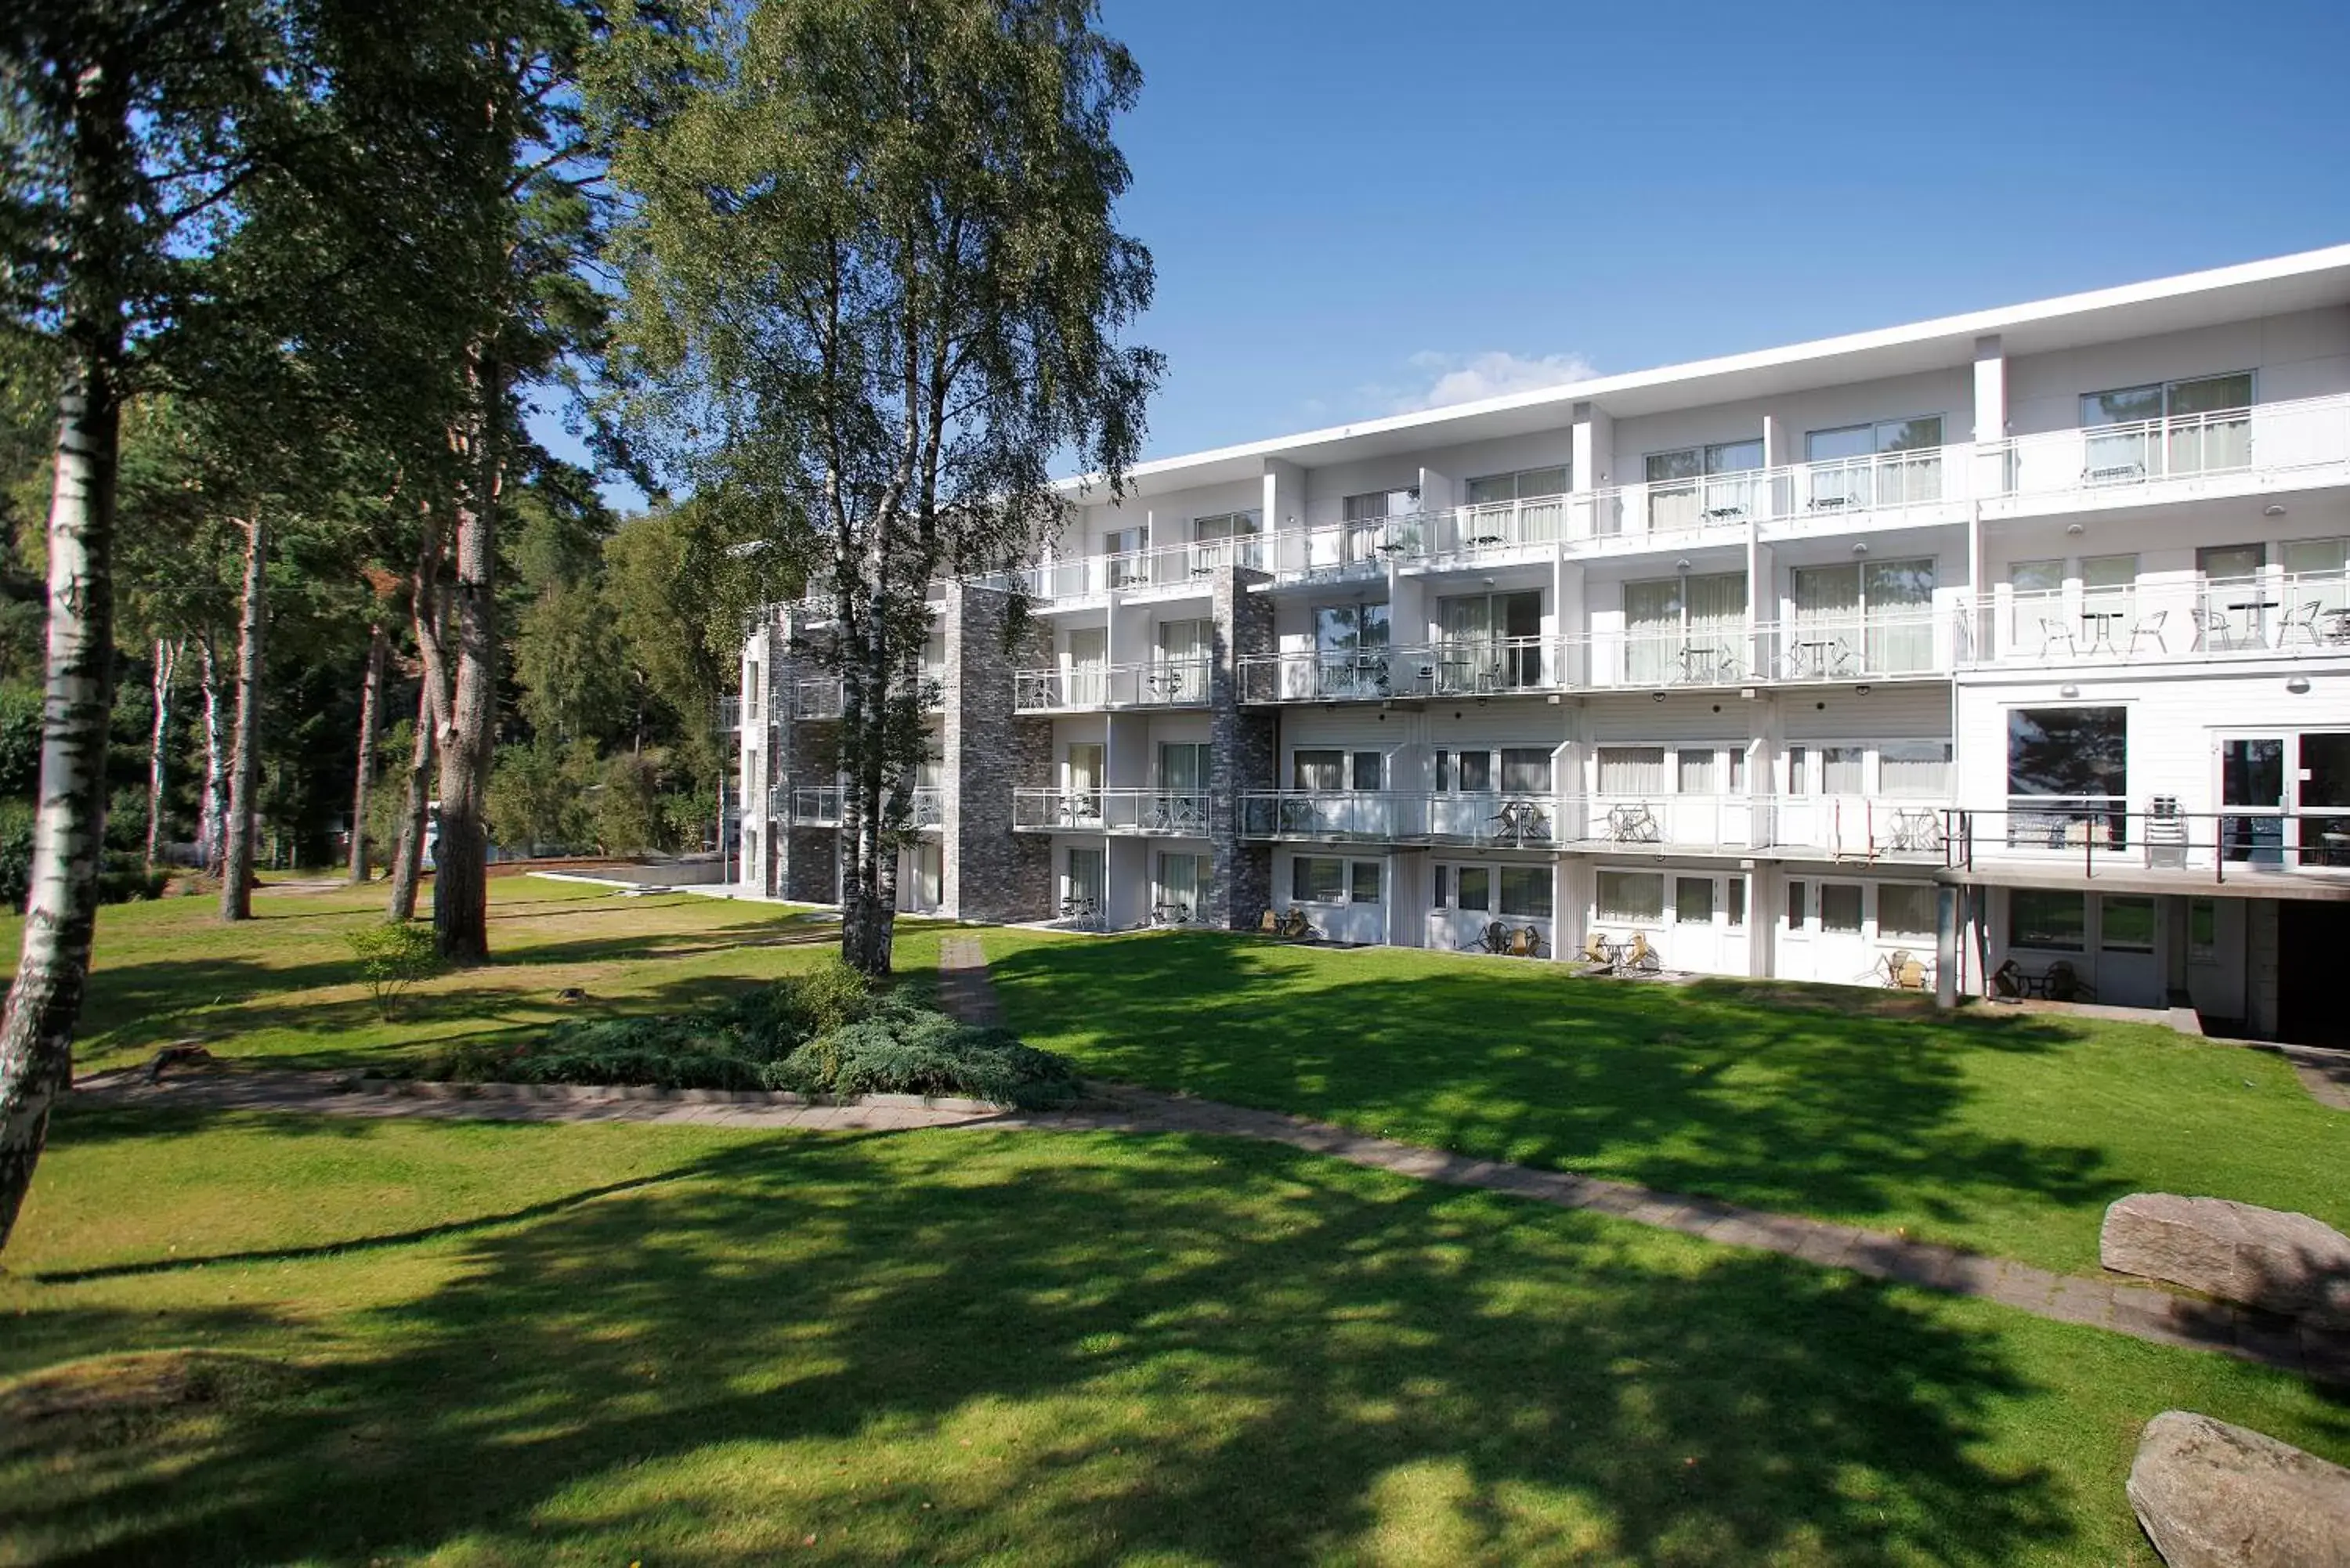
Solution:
(825, 998)
(906, 1050)
(15, 852)
(392, 956)
(123, 876)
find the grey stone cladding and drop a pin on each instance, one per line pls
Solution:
(1242, 748)
(988, 871)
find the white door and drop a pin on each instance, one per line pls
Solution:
(2129, 935)
(1842, 953)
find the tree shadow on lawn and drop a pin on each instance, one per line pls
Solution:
(1725, 1091)
(1177, 1346)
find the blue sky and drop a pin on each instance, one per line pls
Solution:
(1359, 206)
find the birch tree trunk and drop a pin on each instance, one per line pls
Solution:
(213, 809)
(167, 670)
(431, 718)
(371, 696)
(460, 855)
(245, 749)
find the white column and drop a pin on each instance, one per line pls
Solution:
(1990, 389)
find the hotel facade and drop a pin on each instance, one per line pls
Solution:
(2014, 641)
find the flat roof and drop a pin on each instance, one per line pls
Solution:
(2309, 280)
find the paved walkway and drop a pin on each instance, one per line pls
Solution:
(2324, 1072)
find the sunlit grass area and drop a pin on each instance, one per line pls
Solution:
(284, 985)
(287, 1338)
(2005, 1132)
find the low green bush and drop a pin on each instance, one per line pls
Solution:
(766, 1040)
(392, 956)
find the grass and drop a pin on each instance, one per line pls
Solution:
(2006, 1132)
(242, 1339)
(286, 986)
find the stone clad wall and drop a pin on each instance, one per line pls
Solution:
(989, 872)
(1244, 755)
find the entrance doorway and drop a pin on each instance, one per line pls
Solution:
(2312, 937)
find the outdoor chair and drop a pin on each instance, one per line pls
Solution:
(2055, 631)
(1525, 942)
(1270, 923)
(1296, 928)
(1911, 977)
(2063, 982)
(1893, 962)
(2304, 620)
(2214, 631)
(1493, 938)
(2149, 625)
(1641, 956)
(1596, 950)
(2007, 981)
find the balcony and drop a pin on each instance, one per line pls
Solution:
(1152, 684)
(1080, 579)
(825, 697)
(2094, 839)
(1477, 668)
(728, 718)
(2274, 616)
(1157, 812)
(2304, 441)
(1837, 828)
(820, 806)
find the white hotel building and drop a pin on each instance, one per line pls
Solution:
(2018, 634)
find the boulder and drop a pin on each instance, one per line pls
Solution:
(2264, 1258)
(2215, 1496)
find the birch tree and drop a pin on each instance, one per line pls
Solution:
(874, 289)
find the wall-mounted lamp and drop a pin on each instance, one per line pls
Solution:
(1660, 696)
(1860, 548)
(2075, 529)
(2068, 691)
(1860, 690)
(2298, 685)
(1681, 565)
(2273, 509)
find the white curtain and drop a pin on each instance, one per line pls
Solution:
(1653, 622)
(1632, 769)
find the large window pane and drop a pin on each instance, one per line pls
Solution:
(1696, 772)
(1315, 879)
(1316, 770)
(2038, 918)
(1525, 770)
(1920, 768)
(2068, 752)
(1476, 889)
(1844, 770)
(2127, 924)
(2211, 395)
(1840, 907)
(1366, 770)
(1631, 896)
(2123, 405)
(1845, 441)
(1476, 773)
(1363, 881)
(1631, 770)
(1693, 901)
(1905, 909)
(1526, 892)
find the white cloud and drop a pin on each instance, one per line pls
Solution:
(1442, 379)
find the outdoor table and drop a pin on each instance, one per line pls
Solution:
(1483, 539)
(1167, 684)
(1813, 658)
(2339, 631)
(2100, 627)
(1699, 663)
(2259, 609)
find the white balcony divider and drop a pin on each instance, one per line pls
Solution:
(1177, 813)
(1468, 667)
(2274, 615)
(1144, 683)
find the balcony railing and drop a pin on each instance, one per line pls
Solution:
(1484, 667)
(1835, 826)
(729, 717)
(2151, 456)
(820, 806)
(2276, 614)
(1174, 812)
(1152, 684)
(2099, 835)
(1080, 577)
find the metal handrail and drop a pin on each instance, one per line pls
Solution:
(1173, 810)
(2105, 832)
(1136, 683)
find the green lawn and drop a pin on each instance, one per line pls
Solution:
(2005, 1132)
(240, 1339)
(285, 984)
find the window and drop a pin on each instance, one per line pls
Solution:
(751, 686)
(1733, 901)
(1702, 484)
(2127, 924)
(1737, 770)
(1317, 879)
(1840, 907)
(1685, 629)
(1375, 505)
(1490, 642)
(1368, 770)
(1126, 541)
(1526, 484)
(1476, 889)
(2038, 918)
(2203, 930)
(1915, 768)
(1795, 903)
(1183, 765)
(1316, 770)
(1350, 629)
(2168, 427)
(2317, 571)
(1525, 770)
(1696, 771)
(1866, 619)
(2073, 754)
(1363, 881)
(1693, 901)
(2037, 591)
(1632, 896)
(1182, 883)
(1185, 642)
(1476, 770)
(1526, 892)
(1799, 771)
(1086, 878)
(1631, 770)
(1440, 887)
(2109, 576)
(1905, 909)
(1444, 773)
(1891, 463)
(1225, 525)
(1843, 770)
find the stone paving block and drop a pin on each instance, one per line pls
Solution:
(2087, 1301)
(1828, 1244)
